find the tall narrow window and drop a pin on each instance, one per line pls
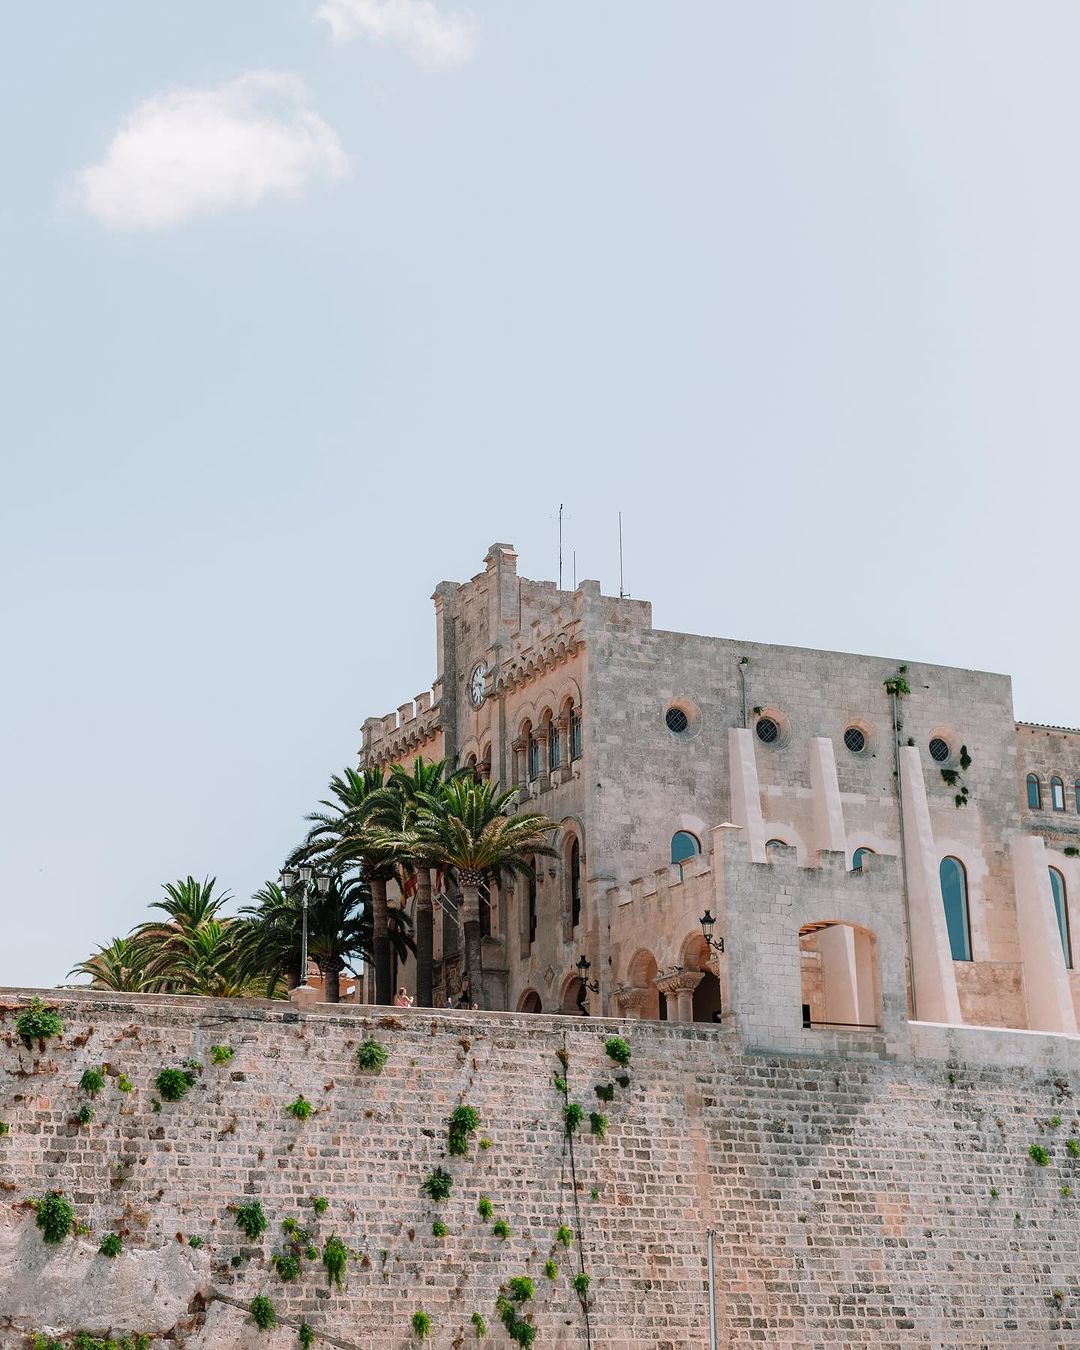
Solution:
(1061, 910)
(532, 904)
(857, 858)
(684, 845)
(575, 734)
(1077, 791)
(954, 894)
(534, 756)
(554, 745)
(1034, 792)
(1057, 794)
(575, 884)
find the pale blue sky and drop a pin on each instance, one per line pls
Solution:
(794, 285)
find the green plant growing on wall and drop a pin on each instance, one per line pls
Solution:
(1038, 1155)
(485, 1143)
(124, 1083)
(462, 1124)
(581, 1283)
(598, 1124)
(5, 1128)
(484, 1207)
(519, 1330)
(251, 1219)
(421, 1325)
(262, 1312)
(1071, 851)
(320, 1204)
(560, 1084)
(551, 1269)
(55, 1217)
(195, 1241)
(438, 1184)
(617, 1049)
(172, 1084)
(623, 1080)
(92, 1081)
(85, 1114)
(371, 1055)
(44, 1343)
(521, 1288)
(111, 1245)
(287, 1265)
(501, 1229)
(221, 1054)
(305, 1334)
(38, 1023)
(573, 1115)
(605, 1091)
(477, 1319)
(1066, 1191)
(300, 1109)
(564, 1235)
(335, 1258)
(896, 686)
(439, 1229)
(1072, 1147)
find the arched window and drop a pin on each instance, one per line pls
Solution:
(1034, 793)
(532, 747)
(554, 745)
(575, 733)
(575, 884)
(1077, 792)
(954, 894)
(857, 858)
(772, 844)
(1061, 910)
(684, 845)
(1057, 793)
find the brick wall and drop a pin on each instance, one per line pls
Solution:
(851, 1195)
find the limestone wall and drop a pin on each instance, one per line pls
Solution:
(857, 1199)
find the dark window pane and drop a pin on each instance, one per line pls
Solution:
(955, 898)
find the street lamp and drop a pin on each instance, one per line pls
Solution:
(583, 967)
(309, 884)
(707, 923)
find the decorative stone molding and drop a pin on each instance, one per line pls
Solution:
(630, 998)
(680, 984)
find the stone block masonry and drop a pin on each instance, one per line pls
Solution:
(857, 1199)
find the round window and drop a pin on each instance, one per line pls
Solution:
(767, 730)
(677, 721)
(939, 750)
(855, 740)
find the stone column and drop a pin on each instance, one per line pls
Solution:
(521, 769)
(544, 775)
(829, 832)
(564, 743)
(682, 984)
(1050, 1005)
(745, 793)
(630, 998)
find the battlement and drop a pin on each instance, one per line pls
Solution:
(412, 727)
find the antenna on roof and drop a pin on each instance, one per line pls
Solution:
(560, 546)
(623, 595)
(575, 569)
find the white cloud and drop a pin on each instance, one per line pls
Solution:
(416, 24)
(197, 151)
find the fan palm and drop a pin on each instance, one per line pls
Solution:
(174, 953)
(469, 829)
(119, 966)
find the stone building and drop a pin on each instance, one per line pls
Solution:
(878, 840)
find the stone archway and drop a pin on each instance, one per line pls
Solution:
(839, 975)
(530, 1002)
(640, 993)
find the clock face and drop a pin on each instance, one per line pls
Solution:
(476, 685)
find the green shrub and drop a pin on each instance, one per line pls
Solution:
(195, 1241)
(55, 1217)
(520, 1331)
(172, 1084)
(85, 1114)
(300, 1109)
(561, 1084)
(311, 1252)
(573, 1116)
(287, 1265)
(501, 1228)
(478, 1322)
(1038, 1155)
(1055, 1121)
(111, 1245)
(421, 1325)
(124, 1083)
(38, 1023)
(262, 1310)
(251, 1219)
(463, 1123)
(222, 1054)
(43, 1343)
(371, 1055)
(484, 1207)
(320, 1204)
(5, 1128)
(92, 1081)
(439, 1229)
(605, 1091)
(564, 1235)
(551, 1270)
(1066, 1191)
(521, 1288)
(618, 1050)
(1072, 1148)
(598, 1124)
(485, 1143)
(335, 1258)
(438, 1184)
(305, 1335)
(581, 1283)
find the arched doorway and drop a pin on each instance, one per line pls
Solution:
(838, 963)
(708, 1003)
(642, 975)
(574, 999)
(530, 1002)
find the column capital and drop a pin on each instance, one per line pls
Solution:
(674, 980)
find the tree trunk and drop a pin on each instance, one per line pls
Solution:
(380, 941)
(332, 983)
(474, 958)
(425, 939)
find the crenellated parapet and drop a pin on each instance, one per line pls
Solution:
(415, 728)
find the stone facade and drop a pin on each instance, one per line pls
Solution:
(868, 1191)
(802, 752)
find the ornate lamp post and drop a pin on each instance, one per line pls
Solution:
(587, 986)
(309, 884)
(707, 924)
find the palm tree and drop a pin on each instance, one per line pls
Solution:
(469, 828)
(193, 940)
(118, 966)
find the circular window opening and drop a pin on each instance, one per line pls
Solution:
(855, 740)
(939, 750)
(677, 721)
(767, 730)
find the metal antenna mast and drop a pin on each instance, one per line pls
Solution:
(622, 594)
(560, 545)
